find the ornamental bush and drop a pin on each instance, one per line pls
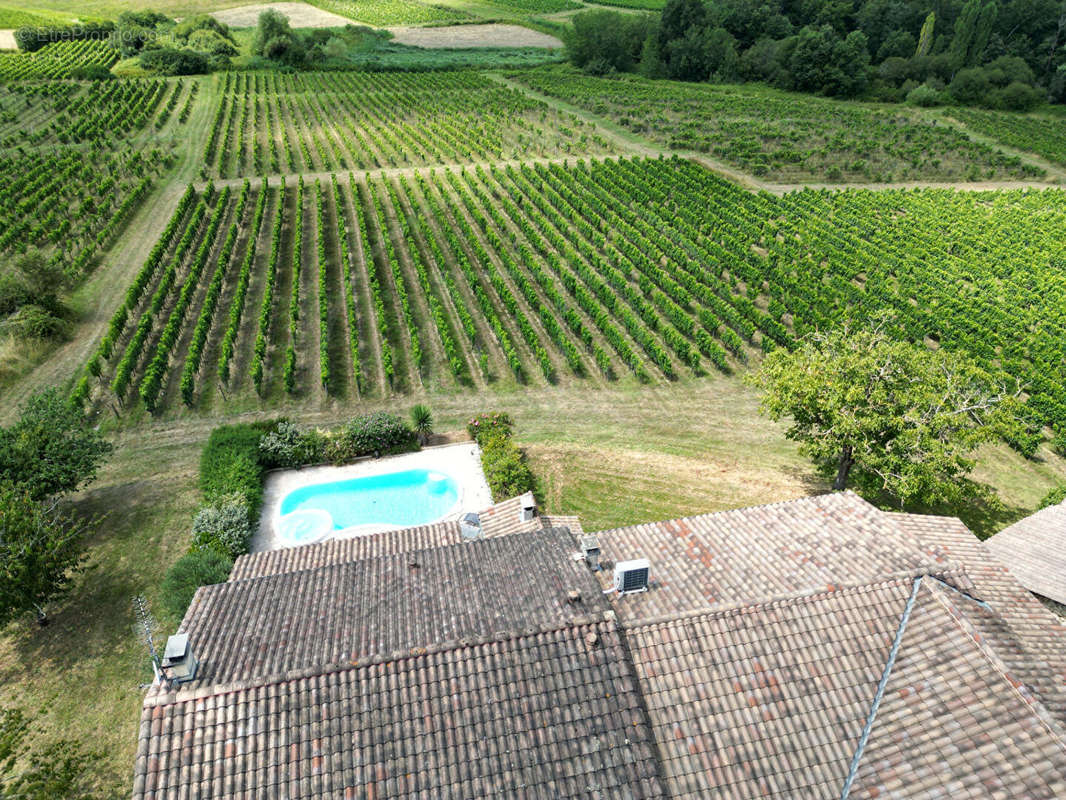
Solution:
(1054, 497)
(230, 462)
(288, 446)
(505, 466)
(225, 526)
(374, 434)
(484, 425)
(189, 573)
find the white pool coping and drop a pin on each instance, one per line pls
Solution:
(462, 462)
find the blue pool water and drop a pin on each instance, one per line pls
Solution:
(403, 499)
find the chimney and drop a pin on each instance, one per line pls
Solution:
(470, 526)
(179, 664)
(590, 549)
(529, 507)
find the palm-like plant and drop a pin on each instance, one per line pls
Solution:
(422, 422)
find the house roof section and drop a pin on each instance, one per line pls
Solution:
(1034, 550)
(750, 554)
(546, 715)
(282, 624)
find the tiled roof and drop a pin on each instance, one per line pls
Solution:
(788, 650)
(546, 715)
(748, 555)
(297, 621)
(953, 722)
(500, 519)
(340, 551)
(770, 699)
(1034, 640)
(1034, 550)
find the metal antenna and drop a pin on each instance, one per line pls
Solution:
(147, 623)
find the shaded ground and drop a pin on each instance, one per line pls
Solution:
(462, 36)
(301, 15)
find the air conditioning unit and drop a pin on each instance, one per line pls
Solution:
(470, 526)
(179, 663)
(631, 576)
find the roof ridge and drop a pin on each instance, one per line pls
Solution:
(901, 577)
(964, 623)
(157, 696)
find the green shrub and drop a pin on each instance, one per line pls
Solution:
(174, 62)
(505, 467)
(1054, 497)
(925, 96)
(230, 463)
(484, 425)
(288, 446)
(189, 573)
(374, 434)
(225, 526)
(1058, 443)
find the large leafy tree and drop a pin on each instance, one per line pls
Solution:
(51, 448)
(40, 551)
(891, 416)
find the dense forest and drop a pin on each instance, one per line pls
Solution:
(1009, 54)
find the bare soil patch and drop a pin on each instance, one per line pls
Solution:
(301, 15)
(463, 36)
(7, 40)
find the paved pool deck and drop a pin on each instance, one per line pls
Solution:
(461, 461)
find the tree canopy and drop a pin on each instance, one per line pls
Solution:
(39, 553)
(833, 47)
(887, 415)
(51, 448)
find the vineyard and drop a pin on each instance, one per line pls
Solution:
(1045, 136)
(76, 165)
(68, 112)
(645, 270)
(271, 123)
(57, 60)
(783, 136)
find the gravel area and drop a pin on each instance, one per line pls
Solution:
(301, 15)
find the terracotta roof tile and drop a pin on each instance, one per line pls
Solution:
(952, 719)
(767, 699)
(748, 555)
(548, 715)
(343, 612)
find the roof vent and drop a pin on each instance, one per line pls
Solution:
(631, 576)
(590, 549)
(529, 507)
(470, 526)
(179, 663)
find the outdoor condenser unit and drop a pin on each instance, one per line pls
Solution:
(631, 576)
(179, 663)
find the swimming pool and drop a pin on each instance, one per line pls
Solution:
(393, 499)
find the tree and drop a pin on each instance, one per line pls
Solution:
(892, 416)
(62, 769)
(602, 40)
(39, 553)
(276, 40)
(51, 449)
(925, 38)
